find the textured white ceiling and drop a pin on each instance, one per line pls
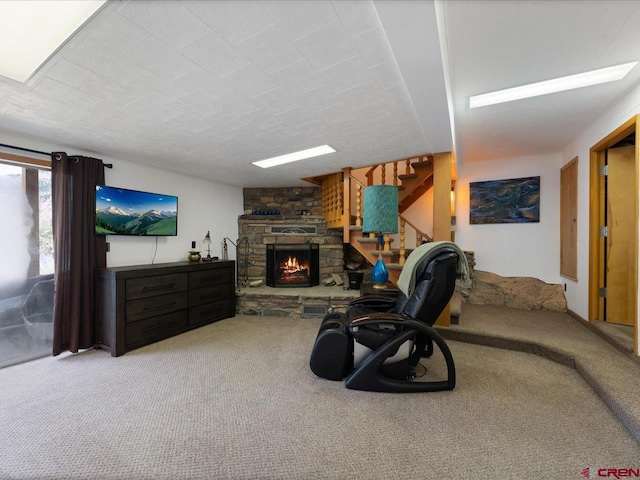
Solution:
(499, 44)
(207, 87)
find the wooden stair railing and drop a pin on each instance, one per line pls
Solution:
(342, 195)
(333, 200)
(367, 246)
(417, 179)
(341, 189)
(421, 237)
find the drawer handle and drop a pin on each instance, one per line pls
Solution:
(156, 307)
(158, 327)
(159, 287)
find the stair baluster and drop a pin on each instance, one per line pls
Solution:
(339, 200)
(358, 205)
(403, 252)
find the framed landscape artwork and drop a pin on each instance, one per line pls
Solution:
(516, 200)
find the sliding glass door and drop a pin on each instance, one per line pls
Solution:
(26, 263)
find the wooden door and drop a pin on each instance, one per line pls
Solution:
(569, 220)
(621, 297)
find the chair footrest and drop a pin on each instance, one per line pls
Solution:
(332, 354)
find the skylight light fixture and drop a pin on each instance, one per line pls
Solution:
(295, 156)
(586, 79)
(30, 32)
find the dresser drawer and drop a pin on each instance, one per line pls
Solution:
(152, 306)
(199, 296)
(157, 285)
(210, 278)
(155, 328)
(210, 312)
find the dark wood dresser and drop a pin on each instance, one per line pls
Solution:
(141, 304)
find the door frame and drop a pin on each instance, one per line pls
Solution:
(596, 215)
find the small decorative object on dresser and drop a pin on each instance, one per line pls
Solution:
(207, 240)
(142, 304)
(194, 255)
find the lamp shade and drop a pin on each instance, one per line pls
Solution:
(380, 211)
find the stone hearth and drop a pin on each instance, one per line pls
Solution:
(310, 302)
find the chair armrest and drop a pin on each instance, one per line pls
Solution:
(375, 318)
(377, 303)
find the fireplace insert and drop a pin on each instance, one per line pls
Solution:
(296, 265)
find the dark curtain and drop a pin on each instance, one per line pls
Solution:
(77, 250)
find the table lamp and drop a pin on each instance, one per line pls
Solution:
(380, 216)
(207, 240)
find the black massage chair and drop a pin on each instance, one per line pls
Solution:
(378, 343)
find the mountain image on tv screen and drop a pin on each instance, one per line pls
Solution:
(130, 212)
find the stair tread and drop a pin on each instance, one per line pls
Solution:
(420, 164)
(407, 176)
(367, 240)
(371, 240)
(384, 254)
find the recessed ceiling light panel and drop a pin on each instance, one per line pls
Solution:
(30, 32)
(586, 79)
(295, 156)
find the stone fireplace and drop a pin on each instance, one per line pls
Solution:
(293, 265)
(283, 218)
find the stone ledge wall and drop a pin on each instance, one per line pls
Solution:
(526, 293)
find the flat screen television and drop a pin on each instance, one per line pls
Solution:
(120, 211)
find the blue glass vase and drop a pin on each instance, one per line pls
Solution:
(379, 274)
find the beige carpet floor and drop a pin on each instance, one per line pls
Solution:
(615, 376)
(236, 400)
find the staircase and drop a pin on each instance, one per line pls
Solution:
(342, 203)
(415, 184)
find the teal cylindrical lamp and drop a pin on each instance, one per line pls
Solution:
(380, 216)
